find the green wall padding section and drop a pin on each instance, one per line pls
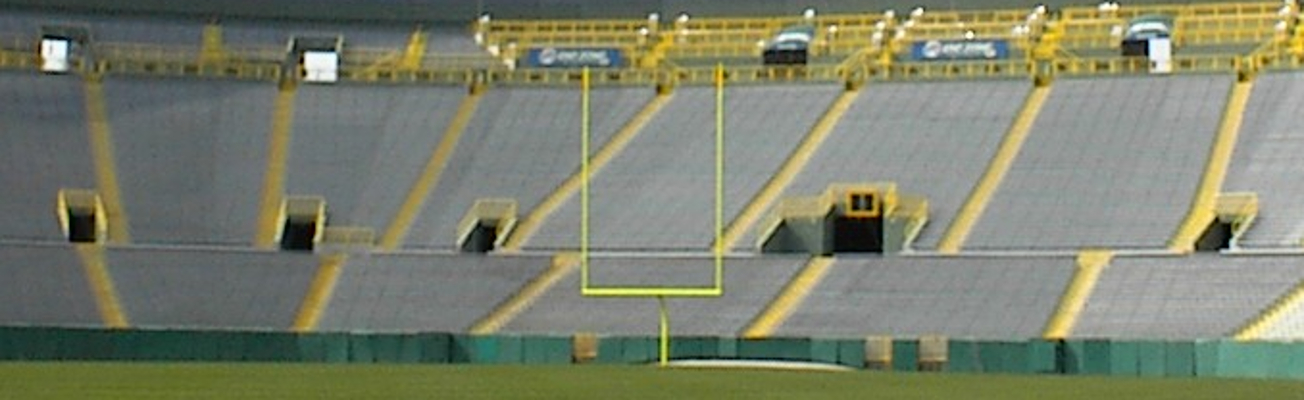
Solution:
(824, 351)
(774, 349)
(546, 350)
(851, 353)
(1147, 358)
(694, 348)
(1179, 359)
(1152, 359)
(905, 355)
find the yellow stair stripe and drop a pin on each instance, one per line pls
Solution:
(787, 301)
(430, 175)
(1256, 327)
(106, 169)
(529, 225)
(319, 293)
(1090, 264)
(797, 161)
(562, 265)
(278, 150)
(982, 193)
(1215, 171)
(101, 282)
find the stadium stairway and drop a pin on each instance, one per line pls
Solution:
(278, 150)
(953, 240)
(1202, 211)
(535, 218)
(765, 198)
(431, 173)
(106, 169)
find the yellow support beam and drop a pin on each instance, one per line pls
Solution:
(278, 150)
(101, 283)
(106, 168)
(797, 161)
(535, 219)
(1260, 324)
(787, 301)
(983, 191)
(319, 293)
(1090, 264)
(415, 51)
(430, 175)
(1215, 171)
(562, 265)
(212, 47)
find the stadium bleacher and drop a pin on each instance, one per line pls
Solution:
(1264, 164)
(174, 129)
(191, 155)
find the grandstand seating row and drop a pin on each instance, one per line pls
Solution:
(1109, 162)
(987, 297)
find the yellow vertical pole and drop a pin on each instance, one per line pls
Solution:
(665, 331)
(584, 178)
(719, 177)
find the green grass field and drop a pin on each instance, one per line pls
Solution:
(323, 381)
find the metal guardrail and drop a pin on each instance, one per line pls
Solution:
(963, 70)
(1229, 9)
(1140, 65)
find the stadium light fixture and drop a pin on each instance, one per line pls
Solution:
(808, 13)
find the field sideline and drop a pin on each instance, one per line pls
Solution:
(323, 381)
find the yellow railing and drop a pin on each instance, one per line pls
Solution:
(1229, 9)
(1003, 17)
(1210, 63)
(935, 70)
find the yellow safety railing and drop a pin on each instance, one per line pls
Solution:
(1210, 63)
(1229, 9)
(937, 70)
(1003, 17)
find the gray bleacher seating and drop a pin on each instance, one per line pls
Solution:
(437, 293)
(1266, 161)
(45, 144)
(170, 30)
(225, 289)
(749, 286)
(450, 39)
(363, 146)
(968, 297)
(191, 156)
(520, 144)
(1109, 163)
(659, 193)
(244, 32)
(1204, 296)
(931, 138)
(45, 285)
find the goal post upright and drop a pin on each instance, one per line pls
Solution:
(660, 293)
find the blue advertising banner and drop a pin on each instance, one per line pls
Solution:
(930, 50)
(574, 57)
